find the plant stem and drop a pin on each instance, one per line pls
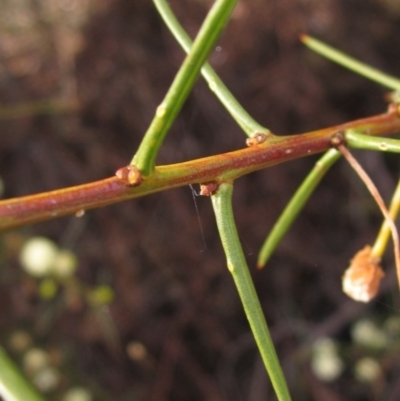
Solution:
(378, 199)
(13, 385)
(167, 111)
(361, 141)
(48, 205)
(358, 140)
(295, 205)
(352, 64)
(240, 115)
(384, 233)
(353, 139)
(222, 204)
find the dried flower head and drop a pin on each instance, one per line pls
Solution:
(361, 280)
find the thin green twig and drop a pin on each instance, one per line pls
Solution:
(167, 111)
(357, 140)
(244, 120)
(384, 233)
(379, 201)
(296, 204)
(353, 139)
(352, 64)
(222, 204)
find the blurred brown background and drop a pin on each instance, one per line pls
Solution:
(104, 66)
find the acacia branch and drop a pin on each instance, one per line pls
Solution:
(219, 168)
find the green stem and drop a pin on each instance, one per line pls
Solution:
(352, 64)
(13, 385)
(167, 111)
(244, 120)
(384, 233)
(355, 139)
(296, 204)
(222, 204)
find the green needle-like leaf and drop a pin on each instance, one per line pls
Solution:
(384, 233)
(167, 111)
(352, 64)
(244, 120)
(353, 140)
(356, 140)
(361, 141)
(13, 385)
(295, 205)
(222, 204)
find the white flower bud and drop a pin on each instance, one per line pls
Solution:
(367, 370)
(367, 334)
(326, 363)
(77, 394)
(34, 360)
(65, 264)
(37, 256)
(47, 379)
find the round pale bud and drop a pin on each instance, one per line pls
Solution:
(37, 256)
(65, 264)
(326, 362)
(77, 394)
(367, 334)
(20, 341)
(47, 379)
(367, 370)
(34, 360)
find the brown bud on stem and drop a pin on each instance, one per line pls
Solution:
(130, 175)
(256, 139)
(208, 189)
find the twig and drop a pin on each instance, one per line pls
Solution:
(376, 195)
(40, 207)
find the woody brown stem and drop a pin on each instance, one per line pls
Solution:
(219, 168)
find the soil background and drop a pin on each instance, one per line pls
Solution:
(175, 329)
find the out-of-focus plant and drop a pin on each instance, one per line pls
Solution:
(216, 176)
